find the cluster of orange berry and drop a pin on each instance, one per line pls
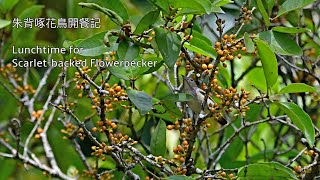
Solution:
(103, 126)
(10, 71)
(116, 94)
(297, 169)
(98, 151)
(160, 160)
(36, 114)
(70, 129)
(118, 138)
(39, 131)
(228, 47)
(231, 98)
(223, 175)
(246, 15)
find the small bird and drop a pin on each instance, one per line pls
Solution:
(198, 94)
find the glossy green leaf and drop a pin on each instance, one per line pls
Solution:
(248, 42)
(266, 170)
(7, 5)
(291, 5)
(188, 6)
(115, 17)
(115, 5)
(141, 100)
(268, 4)
(222, 2)
(201, 47)
(290, 30)
(158, 139)
(300, 118)
(194, 5)
(281, 43)
(200, 36)
(269, 62)
(4, 23)
(263, 12)
(179, 177)
(169, 44)
(94, 45)
(163, 5)
(297, 88)
(146, 21)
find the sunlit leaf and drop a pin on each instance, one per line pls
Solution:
(266, 170)
(269, 62)
(249, 43)
(300, 118)
(281, 43)
(297, 88)
(290, 30)
(263, 12)
(291, 5)
(4, 23)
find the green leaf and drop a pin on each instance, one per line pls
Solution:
(94, 45)
(266, 170)
(291, 5)
(169, 44)
(141, 100)
(300, 118)
(222, 2)
(187, 6)
(130, 65)
(163, 5)
(179, 177)
(268, 4)
(7, 5)
(4, 23)
(127, 51)
(146, 21)
(115, 5)
(110, 13)
(171, 108)
(196, 7)
(281, 43)
(290, 30)
(31, 12)
(200, 36)
(162, 113)
(297, 88)
(269, 62)
(248, 42)
(158, 139)
(180, 97)
(263, 12)
(201, 47)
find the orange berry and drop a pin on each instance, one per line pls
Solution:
(204, 66)
(118, 88)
